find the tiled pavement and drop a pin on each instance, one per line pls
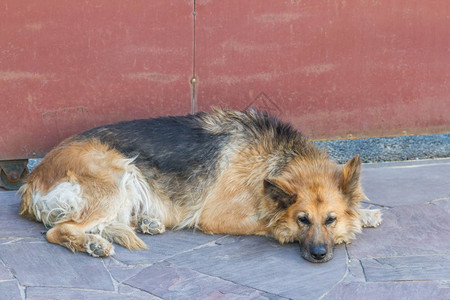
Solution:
(407, 257)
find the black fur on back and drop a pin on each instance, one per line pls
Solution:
(168, 144)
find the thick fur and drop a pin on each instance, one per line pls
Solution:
(226, 172)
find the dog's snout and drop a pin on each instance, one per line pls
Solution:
(318, 252)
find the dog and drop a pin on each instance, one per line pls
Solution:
(225, 172)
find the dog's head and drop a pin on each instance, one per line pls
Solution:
(317, 204)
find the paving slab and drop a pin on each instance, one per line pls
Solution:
(134, 293)
(120, 271)
(11, 224)
(172, 282)
(5, 274)
(443, 204)
(355, 272)
(417, 290)
(163, 246)
(264, 264)
(404, 183)
(10, 290)
(23, 239)
(70, 294)
(417, 268)
(45, 264)
(407, 230)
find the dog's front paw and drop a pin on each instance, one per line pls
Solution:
(371, 217)
(151, 226)
(97, 246)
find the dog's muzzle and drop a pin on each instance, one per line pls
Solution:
(316, 253)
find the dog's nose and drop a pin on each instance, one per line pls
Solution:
(318, 252)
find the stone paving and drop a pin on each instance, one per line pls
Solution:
(407, 257)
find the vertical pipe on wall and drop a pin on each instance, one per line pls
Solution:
(194, 78)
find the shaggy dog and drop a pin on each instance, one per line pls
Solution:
(227, 172)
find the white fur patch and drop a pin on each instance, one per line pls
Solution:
(370, 217)
(140, 198)
(59, 203)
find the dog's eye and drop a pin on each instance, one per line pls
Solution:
(304, 220)
(330, 220)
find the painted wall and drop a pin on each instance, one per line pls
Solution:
(335, 69)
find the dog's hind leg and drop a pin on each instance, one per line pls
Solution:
(92, 195)
(73, 236)
(370, 217)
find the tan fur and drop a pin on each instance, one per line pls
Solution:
(239, 214)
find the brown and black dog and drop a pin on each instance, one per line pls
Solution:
(227, 172)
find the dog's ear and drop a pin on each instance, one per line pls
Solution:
(350, 179)
(275, 190)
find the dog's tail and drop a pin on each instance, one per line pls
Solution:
(124, 235)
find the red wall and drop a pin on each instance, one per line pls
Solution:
(332, 68)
